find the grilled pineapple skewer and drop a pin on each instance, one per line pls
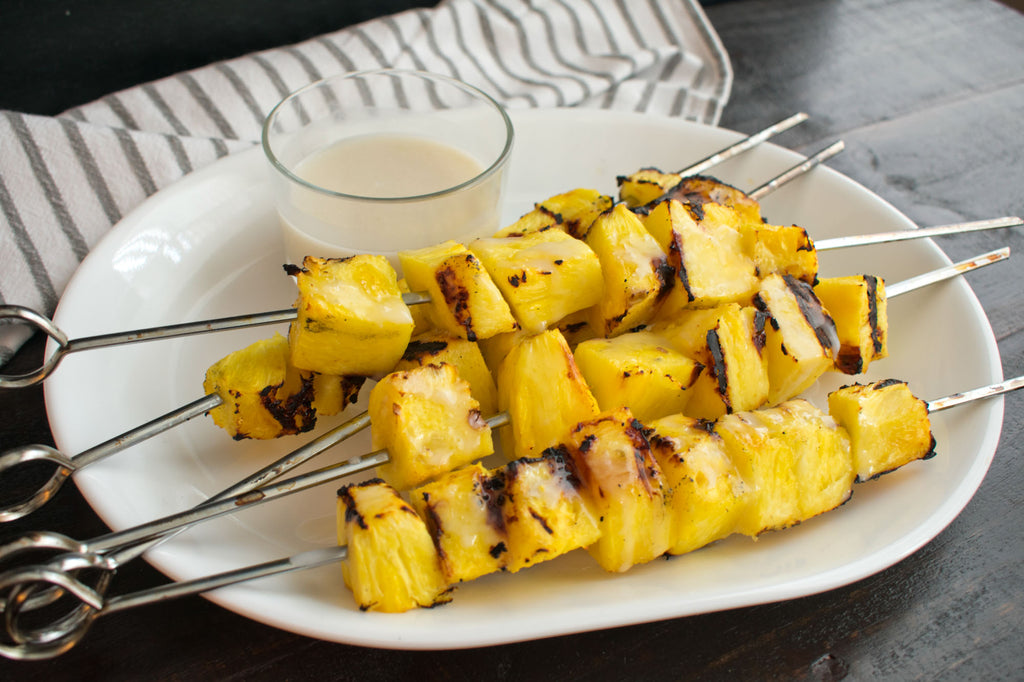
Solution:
(629, 493)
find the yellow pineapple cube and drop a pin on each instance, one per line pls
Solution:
(392, 564)
(351, 317)
(708, 494)
(767, 463)
(262, 394)
(544, 393)
(625, 488)
(821, 453)
(702, 189)
(639, 371)
(428, 421)
(463, 513)
(435, 348)
(533, 221)
(544, 276)
(333, 394)
(571, 212)
(464, 300)
(783, 249)
(735, 376)
(705, 250)
(545, 514)
(645, 186)
(800, 337)
(888, 426)
(636, 271)
(857, 303)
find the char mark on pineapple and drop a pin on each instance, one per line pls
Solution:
(718, 369)
(760, 318)
(810, 307)
(352, 515)
(420, 349)
(872, 285)
(295, 413)
(457, 297)
(493, 495)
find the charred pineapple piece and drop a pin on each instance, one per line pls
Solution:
(625, 488)
(333, 394)
(576, 328)
(800, 337)
(263, 395)
(435, 348)
(645, 186)
(783, 249)
(767, 463)
(704, 248)
(544, 276)
(463, 513)
(351, 317)
(888, 426)
(392, 564)
(428, 421)
(636, 271)
(638, 370)
(545, 514)
(702, 189)
(544, 393)
(536, 220)
(735, 376)
(857, 303)
(464, 300)
(572, 211)
(708, 494)
(821, 455)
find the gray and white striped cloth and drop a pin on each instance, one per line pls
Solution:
(65, 180)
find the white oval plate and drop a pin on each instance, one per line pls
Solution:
(208, 246)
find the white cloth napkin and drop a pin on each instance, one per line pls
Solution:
(65, 180)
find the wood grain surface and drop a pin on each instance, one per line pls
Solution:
(929, 97)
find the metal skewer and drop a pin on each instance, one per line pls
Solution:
(743, 145)
(939, 230)
(60, 636)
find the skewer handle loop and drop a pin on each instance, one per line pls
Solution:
(15, 313)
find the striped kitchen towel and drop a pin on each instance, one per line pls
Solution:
(65, 180)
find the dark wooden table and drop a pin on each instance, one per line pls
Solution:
(928, 95)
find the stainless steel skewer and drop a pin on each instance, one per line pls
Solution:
(743, 145)
(60, 636)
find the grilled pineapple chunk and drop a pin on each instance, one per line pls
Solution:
(464, 300)
(821, 454)
(392, 564)
(705, 250)
(766, 462)
(639, 371)
(545, 514)
(708, 494)
(857, 303)
(625, 488)
(735, 377)
(262, 394)
(572, 212)
(544, 393)
(351, 317)
(645, 186)
(888, 426)
(702, 189)
(800, 337)
(435, 348)
(463, 513)
(429, 423)
(544, 276)
(783, 249)
(636, 271)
